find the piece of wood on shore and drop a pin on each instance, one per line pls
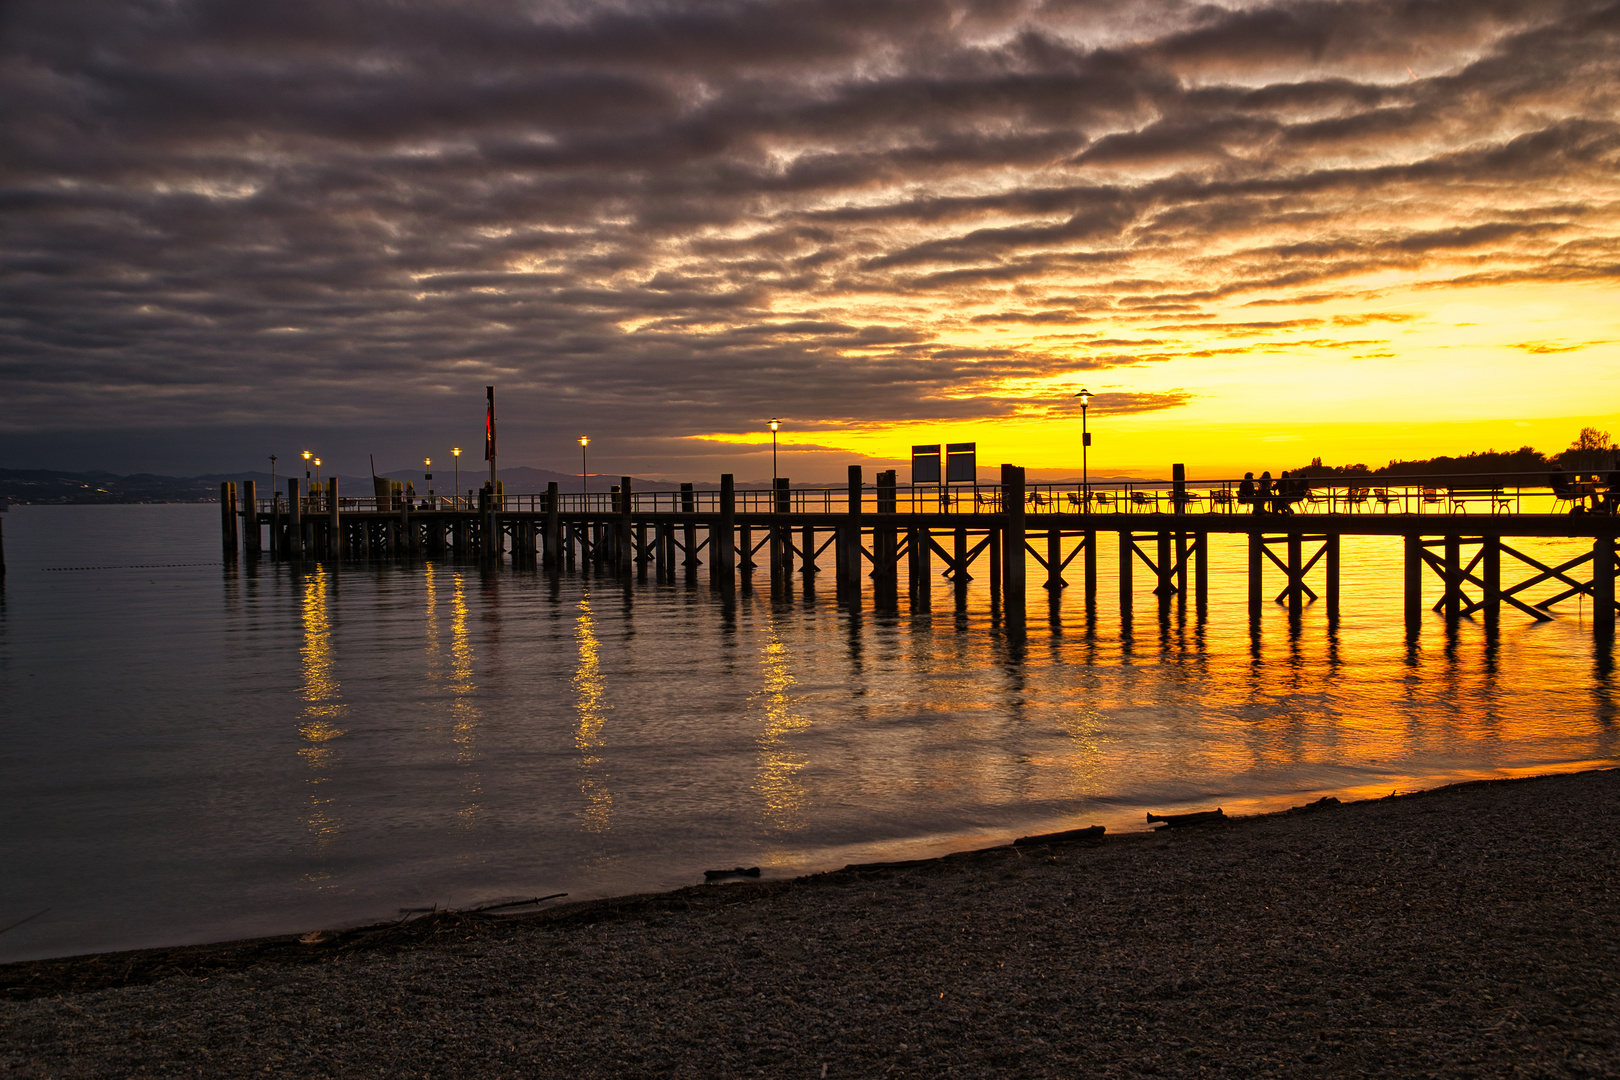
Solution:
(721, 875)
(1179, 821)
(1067, 836)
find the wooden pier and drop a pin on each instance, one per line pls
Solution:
(1464, 536)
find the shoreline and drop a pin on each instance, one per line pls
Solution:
(1462, 930)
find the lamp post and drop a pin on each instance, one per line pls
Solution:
(455, 452)
(584, 470)
(1085, 444)
(775, 426)
(317, 472)
(427, 477)
(307, 456)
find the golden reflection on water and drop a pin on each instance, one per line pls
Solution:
(465, 716)
(777, 781)
(592, 709)
(323, 706)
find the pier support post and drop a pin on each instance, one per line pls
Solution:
(1453, 597)
(295, 522)
(1165, 587)
(227, 519)
(807, 549)
(1201, 571)
(922, 569)
(1126, 555)
(1054, 561)
(407, 531)
(723, 564)
(1603, 587)
(1089, 538)
(1181, 565)
(1296, 587)
(1332, 576)
(1012, 545)
(1413, 593)
(1491, 572)
(334, 524)
(851, 542)
(627, 500)
(552, 542)
(252, 542)
(1257, 592)
(689, 527)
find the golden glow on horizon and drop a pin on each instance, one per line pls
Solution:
(1398, 374)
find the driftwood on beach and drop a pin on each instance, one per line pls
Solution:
(1178, 821)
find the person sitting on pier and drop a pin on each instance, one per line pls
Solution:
(1563, 489)
(1246, 492)
(1262, 502)
(1610, 501)
(1283, 503)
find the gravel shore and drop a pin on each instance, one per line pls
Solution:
(1468, 931)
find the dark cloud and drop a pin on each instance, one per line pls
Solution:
(655, 219)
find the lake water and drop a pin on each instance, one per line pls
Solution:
(193, 752)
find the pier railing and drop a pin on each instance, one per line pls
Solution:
(1444, 494)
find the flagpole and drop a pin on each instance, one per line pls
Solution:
(489, 437)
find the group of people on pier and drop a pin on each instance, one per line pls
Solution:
(1602, 491)
(1265, 496)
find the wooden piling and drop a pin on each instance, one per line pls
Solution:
(1332, 576)
(1165, 587)
(722, 543)
(1012, 542)
(1453, 597)
(1296, 587)
(227, 519)
(334, 526)
(1603, 587)
(689, 526)
(252, 540)
(853, 567)
(1127, 593)
(627, 501)
(295, 522)
(1090, 556)
(1491, 571)
(1413, 592)
(1201, 571)
(1257, 587)
(1054, 561)
(551, 542)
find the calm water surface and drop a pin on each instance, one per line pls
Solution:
(194, 753)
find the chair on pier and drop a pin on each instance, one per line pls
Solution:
(990, 502)
(1035, 498)
(1356, 496)
(1145, 498)
(1222, 499)
(1431, 496)
(1383, 498)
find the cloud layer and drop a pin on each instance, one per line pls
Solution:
(658, 219)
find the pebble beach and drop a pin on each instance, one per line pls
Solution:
(1461, 932)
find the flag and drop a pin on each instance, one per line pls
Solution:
(489, 426)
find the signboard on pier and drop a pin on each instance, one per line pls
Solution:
(925, 464)
(961, 462)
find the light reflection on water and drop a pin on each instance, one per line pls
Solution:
(193, 753)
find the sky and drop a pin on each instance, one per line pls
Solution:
(1256, 232)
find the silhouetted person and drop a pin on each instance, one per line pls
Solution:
(1246, 493)
(1564, 488)
(1263, 495)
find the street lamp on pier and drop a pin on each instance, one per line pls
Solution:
(1085, 445)
(584, 470)
(455, 452)
(775, 426)
(307, 456)
(427, 476)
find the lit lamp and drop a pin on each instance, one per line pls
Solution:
(775, 426)
(455, 452)
(1085, 444)
(584, 472)
(427, 474)
(306, 468)
(317, 474)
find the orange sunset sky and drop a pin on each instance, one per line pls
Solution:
(1257, 232)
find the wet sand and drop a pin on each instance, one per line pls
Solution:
(1467, 931)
